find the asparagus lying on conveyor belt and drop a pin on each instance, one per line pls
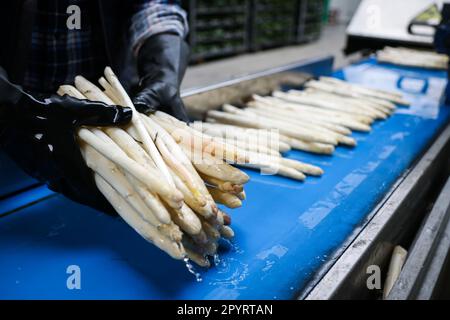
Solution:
(313, 120)
(377, 96)
(151, 181)
(413, 58)
(264, 153)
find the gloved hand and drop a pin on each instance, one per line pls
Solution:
(40, 135)
(162, 62)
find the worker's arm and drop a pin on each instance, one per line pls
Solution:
(40, 135)
(158, 30)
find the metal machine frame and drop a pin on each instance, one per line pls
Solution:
(395, 220)
(344, 277)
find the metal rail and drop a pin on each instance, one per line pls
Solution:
(391, 223)
(424, 268)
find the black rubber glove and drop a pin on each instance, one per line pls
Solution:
(162, 62)
(40, 135)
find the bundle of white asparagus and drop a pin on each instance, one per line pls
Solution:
(146, 170)
(413, 58)
(313, 120)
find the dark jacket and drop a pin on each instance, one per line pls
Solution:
(16, 20)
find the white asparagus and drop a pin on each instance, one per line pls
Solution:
(275, 169)
(323, 87)
(227, 199)
(309, 169)
(132, 148)
(70, 91)
(225, 218)
(147, 142)
(152, 180)
(345, 92)
(177, 162)
(395, 267)
(249, 143)
(135, 152)
(215, 167)
(201, 244)
(116, 179)
(374, 111)
(274, 117)
(91, 91)
(342, 139)
(227, 232)
(199, 259)
(296, 98)
(357, 87)
(294, 143)
(132, 180)
(254, 147)
(210, 209)
(192, 139)
(266, 138)
(205, 210)
(225, 186)
(195, 252)
(186, 219)
(259, 122)
(109, 171)
(132, 218)
(413, 58)
(112, 143)
(219, 220)
(109, 90)
(377, 93)
(150, 200)
(211, 231)
(177, 150)
(331, 116)
(179, 154)
(303, 118)
(242, 195)
(302, 167)
(313, 147)
(345, 104)
(181, 214)
(291, 100)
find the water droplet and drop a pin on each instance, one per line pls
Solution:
(191, 270)
(216, 259)
(234, 246)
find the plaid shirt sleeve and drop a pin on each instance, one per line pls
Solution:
(156, 16)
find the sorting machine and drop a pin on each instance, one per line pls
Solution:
(294, 240)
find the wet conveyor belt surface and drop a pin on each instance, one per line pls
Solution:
(285, 231)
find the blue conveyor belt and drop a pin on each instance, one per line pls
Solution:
(12, 178)
(284, 232)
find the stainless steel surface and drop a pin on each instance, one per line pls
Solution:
(200, 100)
(346, 278)
(425, 264)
